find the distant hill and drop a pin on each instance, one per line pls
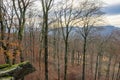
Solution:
(98, 30)
(106, 30)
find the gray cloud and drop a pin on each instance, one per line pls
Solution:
(112, 9)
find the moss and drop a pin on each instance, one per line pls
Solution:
(23, 68)
(4, 66)
(7, 78)
(8, 68)
(13, 66)
(21, 64)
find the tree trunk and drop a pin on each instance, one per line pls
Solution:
(84, 58)
(65, 58)
(58, 56)
(108, 68)
(72, 57)
(46, 44)
(118, 73)
(100, 66)
(96, 68)
(114, 65)
(2, 36)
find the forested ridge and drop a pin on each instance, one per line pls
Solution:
(62, 39)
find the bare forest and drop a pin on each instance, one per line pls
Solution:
(62, 39)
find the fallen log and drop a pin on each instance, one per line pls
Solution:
(16, 71)
(7, 78)
(4, 66)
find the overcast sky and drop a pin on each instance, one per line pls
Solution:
(112, 9)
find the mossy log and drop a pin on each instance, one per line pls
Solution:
(7, 78)
(16, 71)
(4, 66)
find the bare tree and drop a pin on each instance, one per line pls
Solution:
(20, 7)
(3, 30)
(66, 15)
(7, 15)
(46, 5)
(90, 16)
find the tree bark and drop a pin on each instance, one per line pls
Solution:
(118, 73)
(66, 59)
(84, 58)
